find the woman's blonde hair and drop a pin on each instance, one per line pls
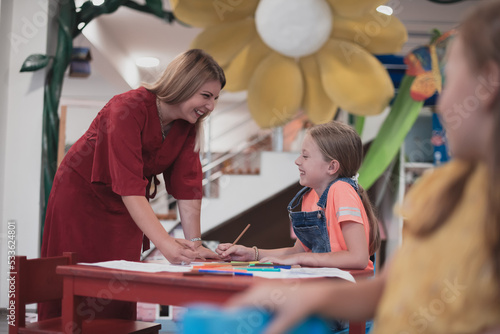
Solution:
(338, 141)
(183, 77)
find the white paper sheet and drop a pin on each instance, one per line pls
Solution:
(165, 266)
(141, 266)
(305, 273)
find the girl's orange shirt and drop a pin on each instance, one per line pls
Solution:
(343, 204)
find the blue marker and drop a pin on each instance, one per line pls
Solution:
(223, 273)
(282, 266)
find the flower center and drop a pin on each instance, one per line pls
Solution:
(294, 28)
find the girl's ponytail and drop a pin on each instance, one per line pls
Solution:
(374, 242)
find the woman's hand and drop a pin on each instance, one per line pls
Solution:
(179, 251)
(289, 301)
(206, 253)
(236, 252)
(175, 250)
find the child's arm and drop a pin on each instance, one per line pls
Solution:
(355, 257)
(292, 302)
(242, 253)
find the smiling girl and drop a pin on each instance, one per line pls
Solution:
(336, 226)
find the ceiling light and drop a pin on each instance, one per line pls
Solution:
(97, 2)
(385, 10)
(147, 62)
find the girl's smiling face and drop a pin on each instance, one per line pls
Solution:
(315, 172)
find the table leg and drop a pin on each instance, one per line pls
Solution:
(357, 327)
(71, 321)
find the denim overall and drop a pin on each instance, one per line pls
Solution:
(310, 227)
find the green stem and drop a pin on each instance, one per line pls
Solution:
(391, 135)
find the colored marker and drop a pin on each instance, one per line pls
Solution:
(282, 266)
(218, 272)
(263, 269)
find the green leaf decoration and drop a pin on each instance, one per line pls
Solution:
(435, 34)
(391, 135)
(156, 7)
(88, 11)
(359, 124)
(35, 62)
(152, 7)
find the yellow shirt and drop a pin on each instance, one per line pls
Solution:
(442, 282)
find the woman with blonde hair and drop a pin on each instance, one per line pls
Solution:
(98, 206)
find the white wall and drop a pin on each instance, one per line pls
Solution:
(238, 193)
(5, 10)
(23, 31)
(5, 23)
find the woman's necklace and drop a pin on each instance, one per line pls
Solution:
(159, 116)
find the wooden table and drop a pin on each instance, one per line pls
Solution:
(101, 284)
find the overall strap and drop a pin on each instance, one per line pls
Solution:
(322, 201)
(298, 198)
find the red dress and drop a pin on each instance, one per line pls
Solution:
(119, 155)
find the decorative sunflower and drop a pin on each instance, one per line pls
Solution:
(314, 55)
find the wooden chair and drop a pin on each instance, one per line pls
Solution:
(35, 281)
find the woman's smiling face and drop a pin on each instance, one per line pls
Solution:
(201, 103)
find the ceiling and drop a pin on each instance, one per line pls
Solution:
(119, 38)
(116, 40)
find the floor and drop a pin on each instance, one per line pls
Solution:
(4, 328)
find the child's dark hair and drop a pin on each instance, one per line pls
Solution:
(338, 141)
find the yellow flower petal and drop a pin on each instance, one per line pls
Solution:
(354, 8)
(224, 41)
(376, 32)
(241, 68)
(204, 13)
(317, 105)
(275, 91)
(354, 78)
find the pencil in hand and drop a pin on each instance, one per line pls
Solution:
(187, 247)
(241, 234)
